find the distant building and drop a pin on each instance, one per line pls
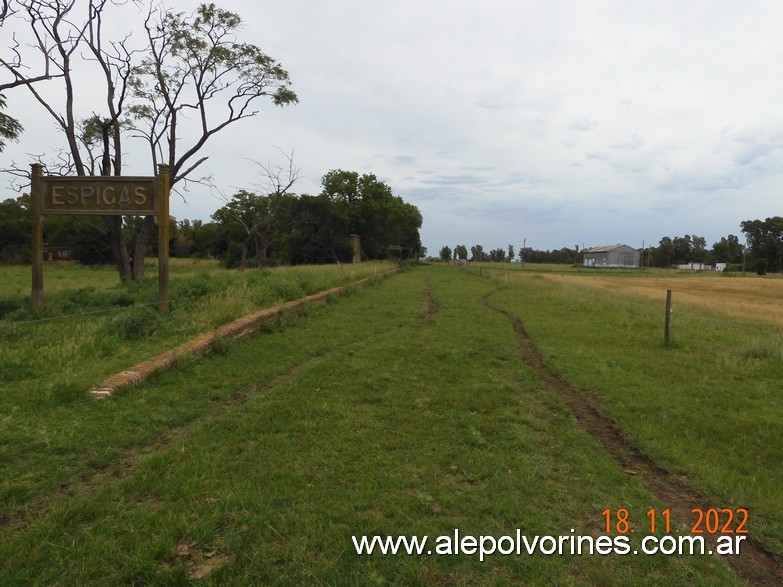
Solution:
(611, 256)
(697, 266)
(55, 253)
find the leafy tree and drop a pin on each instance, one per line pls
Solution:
(683, 249)
(462, 252)
(15, 229)
(190, 80)
(207, 239)
(341, 186)
(262, 216)
(373, 212)
(477, 253)
(319, 231)
(259, 219)
(183, 242)
(562, 256)
(10, 129)
(727, 250)
(87, 246)
(648, 256)
(510, 253)
(699, 248)
(765, 240)
(445, 253)
(665, 252)
(497, 255)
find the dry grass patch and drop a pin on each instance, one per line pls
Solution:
(747, 298)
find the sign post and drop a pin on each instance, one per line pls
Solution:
(36, 202)
(100, 196)
(163, 239)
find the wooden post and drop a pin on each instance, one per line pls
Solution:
(666, 330)
(36, 203)
(163, 238)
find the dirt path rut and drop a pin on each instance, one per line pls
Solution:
(754, 566)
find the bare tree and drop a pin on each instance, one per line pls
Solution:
(257, 212)
(194, 61)
(189, 64)
(57, 36)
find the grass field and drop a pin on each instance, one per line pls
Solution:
(94, 326)
(407, 408)
(746, 298)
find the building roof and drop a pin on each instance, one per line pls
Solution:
(605, 248)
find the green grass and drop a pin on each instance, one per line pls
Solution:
(98, 326)
(709, 407)
(365, 416)
(47, 363)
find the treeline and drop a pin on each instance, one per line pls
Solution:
(762, 251)
(272, 228)
(501, 255)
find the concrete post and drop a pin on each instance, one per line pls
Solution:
(356, 242)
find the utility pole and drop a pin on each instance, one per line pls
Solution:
(524, 252)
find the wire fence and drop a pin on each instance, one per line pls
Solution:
(683, 314)
(113, 309)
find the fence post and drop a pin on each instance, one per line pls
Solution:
(666, 331)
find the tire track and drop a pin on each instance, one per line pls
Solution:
(754, 566)
(432, 304)
(91, 481)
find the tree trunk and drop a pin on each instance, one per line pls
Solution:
(245, 246)
(262, 244)
(119, 251)
(140, 246)
(116, 237)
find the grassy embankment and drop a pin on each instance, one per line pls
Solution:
(372, 416)
(94, 327)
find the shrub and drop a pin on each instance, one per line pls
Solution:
(233, 256)
(139, 322)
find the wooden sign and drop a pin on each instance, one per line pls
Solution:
(100, 195)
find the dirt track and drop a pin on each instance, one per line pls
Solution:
(755, 565)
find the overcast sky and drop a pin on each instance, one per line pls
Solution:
(563, 123)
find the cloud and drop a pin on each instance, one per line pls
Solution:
(583, 125)
(405, 160)
(560, 122)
